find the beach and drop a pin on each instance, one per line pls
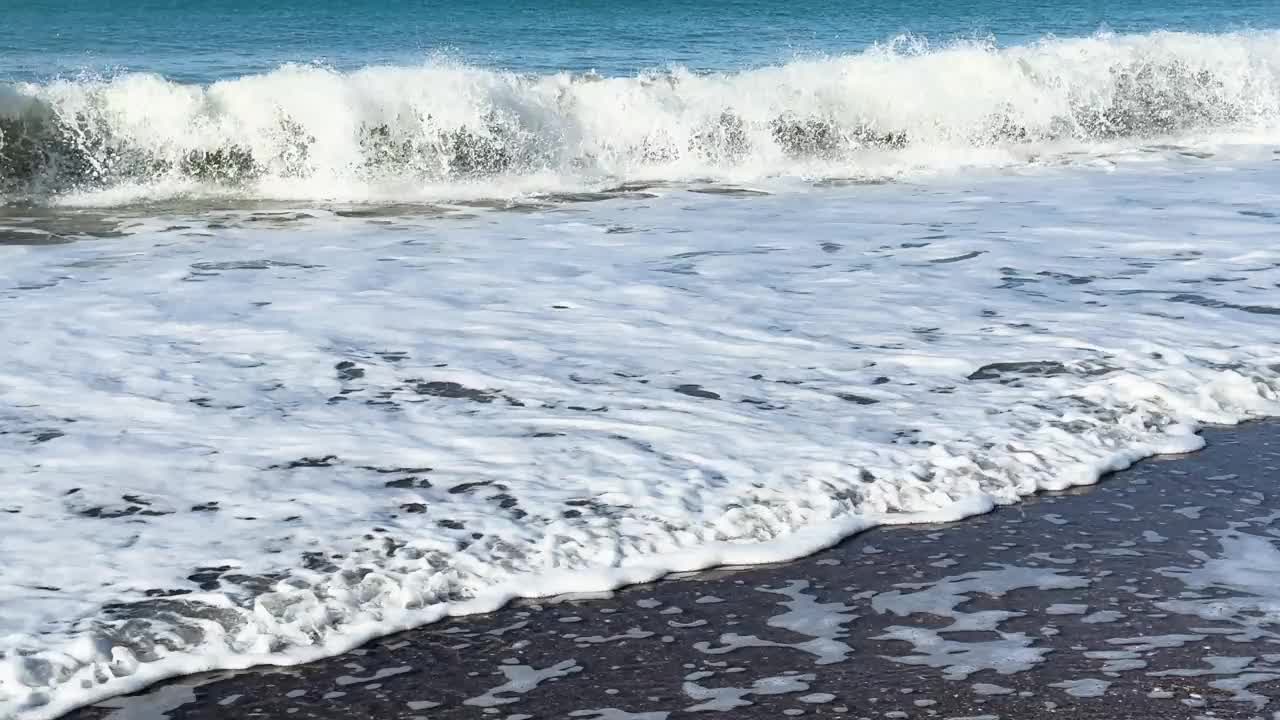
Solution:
(309, 429)
(1152, 595)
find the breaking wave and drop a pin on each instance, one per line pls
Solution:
(312, 132)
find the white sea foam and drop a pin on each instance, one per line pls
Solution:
(603, 394)
(449, 131)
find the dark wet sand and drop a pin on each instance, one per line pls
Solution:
(1153, 595)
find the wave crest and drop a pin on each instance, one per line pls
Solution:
(314, 132)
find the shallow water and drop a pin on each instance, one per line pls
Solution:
(1152, 595)
(243, 440)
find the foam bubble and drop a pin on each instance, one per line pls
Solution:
(443, 130)
(267, 445)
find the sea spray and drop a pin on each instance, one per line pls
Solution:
(307, 132)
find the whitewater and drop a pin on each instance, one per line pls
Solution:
(298, 359)
(448, 131)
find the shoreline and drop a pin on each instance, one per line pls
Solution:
(737, 395)
(966, 630)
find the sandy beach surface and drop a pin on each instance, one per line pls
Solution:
(1155, 594)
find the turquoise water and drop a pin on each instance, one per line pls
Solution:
(201, 42)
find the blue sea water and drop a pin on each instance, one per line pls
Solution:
(205, 41)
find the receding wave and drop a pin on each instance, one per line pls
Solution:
(311, 132)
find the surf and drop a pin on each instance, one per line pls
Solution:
(444, 130)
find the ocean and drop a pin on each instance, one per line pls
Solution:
(323, 321)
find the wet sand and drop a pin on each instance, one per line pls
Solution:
(1155, 594)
